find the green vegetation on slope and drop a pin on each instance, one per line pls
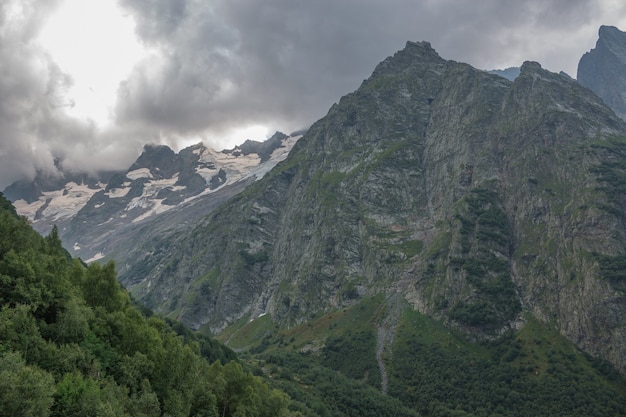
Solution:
(328, 367)
(535, 371)
(325, 365)
(485, 237)
(73, 343)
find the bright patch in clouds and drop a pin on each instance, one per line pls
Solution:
(238, 136)
(94, 42)
(230, 138)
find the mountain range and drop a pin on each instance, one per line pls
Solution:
(438, 214)
(94, 213)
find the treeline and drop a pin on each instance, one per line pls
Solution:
(72, 342)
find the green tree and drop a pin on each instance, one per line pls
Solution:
(24, 390)
(101, 288)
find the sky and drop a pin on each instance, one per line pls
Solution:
(85, 84)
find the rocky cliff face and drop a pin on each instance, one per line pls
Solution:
(603, 69)
(479, 200)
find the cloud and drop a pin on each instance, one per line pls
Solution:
(219, 65)
(29, 83)
(35, 130)
(284, 62)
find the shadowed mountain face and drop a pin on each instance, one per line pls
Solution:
(603, 69)
(478, 200)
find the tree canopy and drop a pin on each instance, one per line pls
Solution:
(72, 342)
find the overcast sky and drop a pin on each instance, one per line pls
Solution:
(85, 87)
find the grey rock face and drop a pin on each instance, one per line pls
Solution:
(477, 199)
(603, 69)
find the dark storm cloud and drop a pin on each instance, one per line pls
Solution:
(284, 62)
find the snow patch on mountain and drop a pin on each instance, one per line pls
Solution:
(118, 192)
(58, 205)
(235, 166)
(139, 173)
(278, 155)
(148, 198)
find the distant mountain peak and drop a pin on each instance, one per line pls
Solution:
(89, 210)
(263, 149)
(510, 73)
(611, 33)
(603, 69)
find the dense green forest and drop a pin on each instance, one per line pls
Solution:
(72, 343)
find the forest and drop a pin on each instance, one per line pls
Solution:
(73, 343)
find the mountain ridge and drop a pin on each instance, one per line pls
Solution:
(433, 180)
(602, 68)
(89, 209)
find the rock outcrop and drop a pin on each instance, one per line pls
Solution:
(603, 69)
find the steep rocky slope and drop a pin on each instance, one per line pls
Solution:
(603, 69)
(479, 200)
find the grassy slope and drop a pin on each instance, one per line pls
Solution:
(432, 370)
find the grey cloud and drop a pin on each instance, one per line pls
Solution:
(27, 82)
(34, 128)
(221, 64)
(284, 62)
(156, 19)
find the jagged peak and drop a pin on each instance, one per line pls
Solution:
(264, 149)
(151, 150)
(531, 66)
(200, 145)
(534, 69)
(155, 147)
(413, 55)
(613, 39)
(421, 46)
(610, 32)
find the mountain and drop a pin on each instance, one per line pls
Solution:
(603, 69)
(96, 215)
(479, 202)
(510, 73)
(443, 242)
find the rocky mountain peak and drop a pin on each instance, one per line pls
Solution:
(415, 55)
(469, 196)
(612, 38)
(603, 69)
(263, 149)
(161, 160)
(561, 94)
